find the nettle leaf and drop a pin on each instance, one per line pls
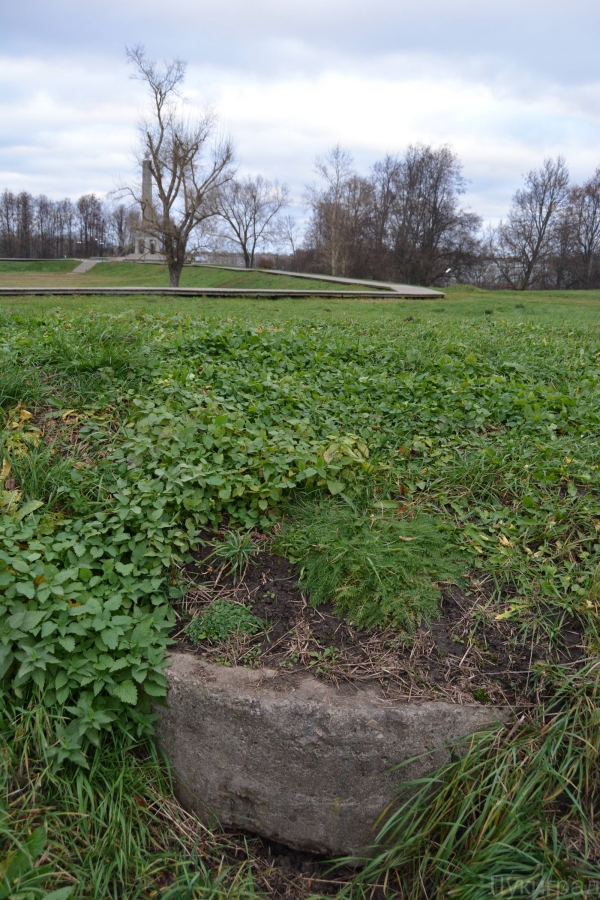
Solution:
(110, 638)
(6, 658)
(67, 643)
(26, 588)
(155, 690)
(19, 565)
(127, 692)
(25, 620)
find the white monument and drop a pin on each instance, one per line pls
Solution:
(145, 243)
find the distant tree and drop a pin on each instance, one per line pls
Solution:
(340, 208)
(384, 179)
(8, 224)
(92, 225)
(25, 224)
(524, 242)
(188, 174)
(428, 231)
(584, 219)
(249, 209)
(287, 238)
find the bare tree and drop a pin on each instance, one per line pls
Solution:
(524, 240)
(428, 230)
(384, 180)
(340, 212)
(584, 216)
(329, 207)
(250, 208)
(188, 173)
(287, 237)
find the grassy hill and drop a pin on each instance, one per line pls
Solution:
(131, 273)
(17, 266)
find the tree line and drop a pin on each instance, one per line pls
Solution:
(40, 228)
(403, 221)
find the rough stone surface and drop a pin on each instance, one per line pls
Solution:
(298, 761)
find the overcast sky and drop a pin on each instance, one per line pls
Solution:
(505, 84)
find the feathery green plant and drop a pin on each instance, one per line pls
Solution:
(378, 566)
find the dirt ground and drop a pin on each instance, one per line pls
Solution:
(464, 656)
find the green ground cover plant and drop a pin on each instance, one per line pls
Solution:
(221, 619)
(125, 435)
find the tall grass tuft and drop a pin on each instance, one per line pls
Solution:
(377, 565)
(114, 830)
(516, 815)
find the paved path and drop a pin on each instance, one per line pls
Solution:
(84, 266)
(405, 290)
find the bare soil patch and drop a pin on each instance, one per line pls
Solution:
(465, 656)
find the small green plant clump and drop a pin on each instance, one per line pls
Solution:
(233, 552)
(377, 566)
(222, 619)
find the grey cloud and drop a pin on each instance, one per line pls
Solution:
(549, 39)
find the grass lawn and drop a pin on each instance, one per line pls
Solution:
(202, 276)
(545, 308)
(20, 267)
(462, 435)
(53, 273)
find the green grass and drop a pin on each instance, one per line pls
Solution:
(10, 267)
(129, 274)
(508, 818)
(152, 421)
(547, 309)
(113, 831)
(378, 568)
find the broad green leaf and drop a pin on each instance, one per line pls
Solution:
(127, 692)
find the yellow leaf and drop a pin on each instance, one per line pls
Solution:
(5, 471)
(505, 541)
(508, 613)
(8, 499)
(330, 452)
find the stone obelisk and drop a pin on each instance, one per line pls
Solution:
(143, 243)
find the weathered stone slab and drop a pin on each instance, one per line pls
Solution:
(299, 762)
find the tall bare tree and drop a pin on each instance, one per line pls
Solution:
(429, 232)
(188, 171)
(584, 217)
(524, 240)
(249, 208)
(340, 211)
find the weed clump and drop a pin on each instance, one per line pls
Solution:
(222, 619)
(377, 566)
(233, 552)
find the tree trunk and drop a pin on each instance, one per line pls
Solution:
(175, 273)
